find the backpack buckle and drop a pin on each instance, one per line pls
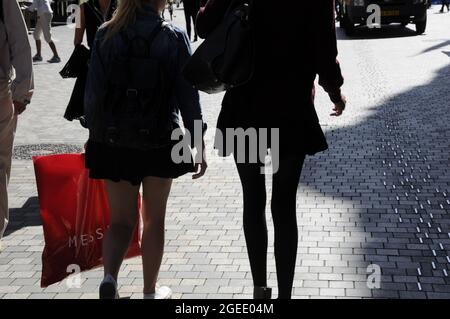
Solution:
(111, 134)
(144, 132)
(133, 93)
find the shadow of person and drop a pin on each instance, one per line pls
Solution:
(26, 216)
(386, 31)
(388, 179)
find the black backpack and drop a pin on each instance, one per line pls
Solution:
(136, 112)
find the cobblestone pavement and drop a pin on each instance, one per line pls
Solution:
(379, 196)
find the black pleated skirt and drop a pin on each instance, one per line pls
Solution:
(123, 164)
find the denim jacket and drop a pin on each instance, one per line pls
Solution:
(171, 45)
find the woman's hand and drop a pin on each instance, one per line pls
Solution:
(19, 107)
(201, 165)
(339, 107)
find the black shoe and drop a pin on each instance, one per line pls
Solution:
(108, 289)
(262, 293)
(37, 58)
(55, 59)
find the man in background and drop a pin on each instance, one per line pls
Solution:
(44, 26)
(15, 90)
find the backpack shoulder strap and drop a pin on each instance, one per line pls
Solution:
(155, 32)
(129, 38)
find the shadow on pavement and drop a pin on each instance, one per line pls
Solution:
(389, 31)
(26, 216)
(436, 47)
(392, 171)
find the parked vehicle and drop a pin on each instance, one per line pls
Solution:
(352, 13)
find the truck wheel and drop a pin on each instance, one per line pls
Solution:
(421, 26)
(349, 28)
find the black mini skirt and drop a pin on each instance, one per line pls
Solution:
(124, 164)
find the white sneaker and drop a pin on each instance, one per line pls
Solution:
(160, 293)
(108, 288)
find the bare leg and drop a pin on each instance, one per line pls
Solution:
(124, 216)
(38, 48)
(156, 193)
(187, 16)
(53, 47)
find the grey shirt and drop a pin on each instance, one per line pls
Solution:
(16, 66)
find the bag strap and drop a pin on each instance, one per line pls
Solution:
(98, 14)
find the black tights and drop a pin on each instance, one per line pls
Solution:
(191, 16)
(284, 199)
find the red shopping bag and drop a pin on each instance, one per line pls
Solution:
(75, 214)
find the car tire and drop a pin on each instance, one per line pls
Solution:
(349, 27)
(421, 26)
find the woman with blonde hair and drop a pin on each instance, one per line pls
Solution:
(134, 95)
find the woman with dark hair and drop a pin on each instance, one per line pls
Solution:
(289, 56)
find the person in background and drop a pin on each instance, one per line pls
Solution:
(93, 13)
(15, 93)
(288, 57)
(445, 4)
(44, 25)
(191, 8)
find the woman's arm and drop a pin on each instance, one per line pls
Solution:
(96, 83)
(188, 98)
(328, 69)
(79, 31)
(20, 50)
(210, 15)
(188, 101)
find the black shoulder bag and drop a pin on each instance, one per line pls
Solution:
(226, 58)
